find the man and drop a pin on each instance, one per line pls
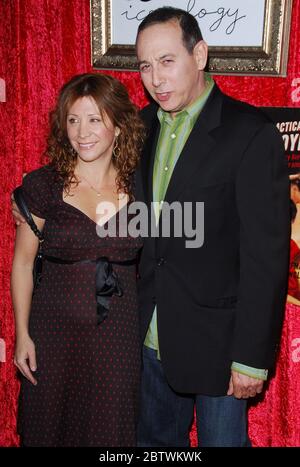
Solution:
(210, 316)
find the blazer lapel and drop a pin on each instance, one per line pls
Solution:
(198, 147)
(147, 160)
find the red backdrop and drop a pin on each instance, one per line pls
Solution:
(42, 44)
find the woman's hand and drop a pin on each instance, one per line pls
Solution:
(25, 358)
(18, 218)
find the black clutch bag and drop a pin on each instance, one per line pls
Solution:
(38, 262)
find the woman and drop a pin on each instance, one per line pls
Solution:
(77, 346)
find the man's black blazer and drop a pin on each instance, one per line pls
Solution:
(224, 301)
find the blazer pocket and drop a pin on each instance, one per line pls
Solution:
(227, 302)
(210, 185)
(220, 303)
(217, 195)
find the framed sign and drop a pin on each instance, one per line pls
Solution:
(247, 38)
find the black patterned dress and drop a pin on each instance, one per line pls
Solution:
(87, 373)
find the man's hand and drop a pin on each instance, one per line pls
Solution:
(19, 219)
(243, 387)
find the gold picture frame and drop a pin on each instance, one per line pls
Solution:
(269, 58)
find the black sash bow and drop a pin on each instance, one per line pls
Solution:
(107, 281)
(107, 285)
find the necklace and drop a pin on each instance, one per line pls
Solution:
(91, 186)
(98, 192)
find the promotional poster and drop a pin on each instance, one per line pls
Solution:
(287, 121)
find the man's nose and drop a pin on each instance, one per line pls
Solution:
(156, 77)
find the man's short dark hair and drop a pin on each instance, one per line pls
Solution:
(191, 33)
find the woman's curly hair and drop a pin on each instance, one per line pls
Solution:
(112, 99)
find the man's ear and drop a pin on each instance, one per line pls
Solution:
(201, 53)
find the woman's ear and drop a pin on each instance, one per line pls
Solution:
(117, 131)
